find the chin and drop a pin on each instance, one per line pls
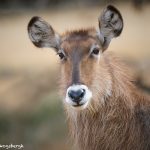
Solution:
(80, 107)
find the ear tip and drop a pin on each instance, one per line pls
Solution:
(112, 7)
(32, 21)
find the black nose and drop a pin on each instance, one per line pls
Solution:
(77, 95)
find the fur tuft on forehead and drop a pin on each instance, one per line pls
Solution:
(79, 34)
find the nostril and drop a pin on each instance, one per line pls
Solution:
(76, 95)
(82, 93)
(71, 94)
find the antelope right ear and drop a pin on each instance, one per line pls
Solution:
(110, 24)
(42, 34)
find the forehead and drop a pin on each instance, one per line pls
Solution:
(79, 39)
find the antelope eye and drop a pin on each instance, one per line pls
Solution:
(95, 51)
(61, 55)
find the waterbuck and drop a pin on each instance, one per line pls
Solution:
(105, 110)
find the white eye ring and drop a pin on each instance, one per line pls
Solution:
(95, 50)
(61, 54)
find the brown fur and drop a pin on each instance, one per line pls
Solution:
(119, 121)
(118, 115)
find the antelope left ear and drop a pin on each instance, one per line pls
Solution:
(42, 34)
(110, 25)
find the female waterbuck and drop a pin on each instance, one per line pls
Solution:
(105, 110)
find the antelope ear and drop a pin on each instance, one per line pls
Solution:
(42, 34)
(110, 24)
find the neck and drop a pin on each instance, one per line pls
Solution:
(107, 125)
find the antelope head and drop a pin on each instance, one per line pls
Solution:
(80, 53)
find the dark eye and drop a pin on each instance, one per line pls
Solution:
(61, 55)
(95, 51)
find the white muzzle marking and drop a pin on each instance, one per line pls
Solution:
(85, 99)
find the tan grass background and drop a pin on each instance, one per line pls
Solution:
(31, 112)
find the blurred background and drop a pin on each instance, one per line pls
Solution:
(31, 112)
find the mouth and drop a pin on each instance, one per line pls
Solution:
(78, 105)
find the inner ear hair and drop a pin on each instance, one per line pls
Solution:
(110, 24)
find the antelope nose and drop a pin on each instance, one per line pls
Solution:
(76, 95)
